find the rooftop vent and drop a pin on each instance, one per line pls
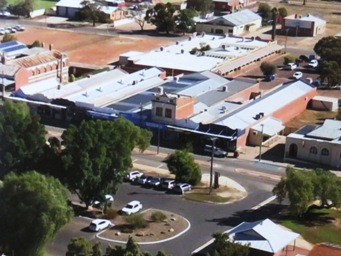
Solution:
(99, 89)
(182, 51)
(203, 34)
(225, 88)
(190, 38)
(177, 42)
(161, 49)
(86, 94)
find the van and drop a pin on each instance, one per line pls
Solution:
(217, 152)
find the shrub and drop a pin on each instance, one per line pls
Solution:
(111, 213)
(268, 68)
(158, 216)
(289, 59)
(136, 221)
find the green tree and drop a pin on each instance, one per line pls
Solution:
(33, 208)
(8, 37)
(22, 8)
(223, 247)
(96, 249)
(301, 187)
(97, 155)
(282, 11)
(162, 16)
(268, 68)
(3, 4)
(182, 164)
(329, 49)
(22, 138)
(264, 10)
(79, 246)
(204, 7)
(184, 20)
(92, 10)
(289, 59)
(132, 247)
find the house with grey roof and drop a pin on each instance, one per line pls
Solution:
(237, 23)
(316, 143)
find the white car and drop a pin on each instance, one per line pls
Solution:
(99, 224)
(292, 66)
(131, 176)
(313, 63)
(108, 198)
(297, 75)
(132, 207)
(19, 28)
(181, 188)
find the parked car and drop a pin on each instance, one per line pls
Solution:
(167, 184)
(181, 188)
(297, 75)
(292, 66)
(313, 63)
(19, 28)
(143, 179)
(217, 152)
(108, 198)
(132, 207)
(155, 181)
(99, 224)
(133, 175)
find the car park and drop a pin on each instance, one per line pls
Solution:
(297, 75)
(99, 224)
(131, 176)
(217, 152)
(291, 66)
(181, 188)
(313, 63)
(132, 207)
(167, 184)
(144, 179)
(155, 181)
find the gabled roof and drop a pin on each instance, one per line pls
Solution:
(262, 235)
(37, 59)
(238, 18)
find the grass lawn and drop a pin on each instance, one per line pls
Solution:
(38, 4)
(321, 225)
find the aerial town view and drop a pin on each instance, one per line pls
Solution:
(170, 128)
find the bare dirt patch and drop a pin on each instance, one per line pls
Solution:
(156, 231)
(88, 48)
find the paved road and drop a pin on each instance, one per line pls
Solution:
(205, 218)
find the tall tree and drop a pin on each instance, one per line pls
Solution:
(3, 4)
(22, 8)
(264, 10)
(268, 68)
(79, 246)
(162, 16)
(223, 247)
(329, 49)
(303, 186)
(182, 164)
(97, 155)
(22, 138)
(184, 20)
(92, 10)
(33, 208)
(204, 7)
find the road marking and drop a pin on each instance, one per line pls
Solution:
(270, 199)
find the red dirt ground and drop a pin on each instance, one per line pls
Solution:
(90, 49)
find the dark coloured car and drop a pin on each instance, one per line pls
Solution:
(144, 179)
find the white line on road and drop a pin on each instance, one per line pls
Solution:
(263, 203)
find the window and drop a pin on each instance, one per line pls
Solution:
(158, 111)
(168, 113)
(325, 152)
(313, 150)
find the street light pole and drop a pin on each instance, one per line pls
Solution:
(158, 139)
(213, 139)
(260, 143)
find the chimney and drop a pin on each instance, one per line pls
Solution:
(50, 47)
(161, 90)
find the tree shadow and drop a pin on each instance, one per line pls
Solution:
(268, 211)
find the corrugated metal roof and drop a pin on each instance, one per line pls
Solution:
(262, 235)
(37, 59)
(330, 130)
(242, 17)
(271, 126)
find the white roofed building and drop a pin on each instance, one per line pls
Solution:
(316, 143)
(237, 23)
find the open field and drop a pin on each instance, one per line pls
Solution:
(320, 225)
(90, 49)
(38, 4)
